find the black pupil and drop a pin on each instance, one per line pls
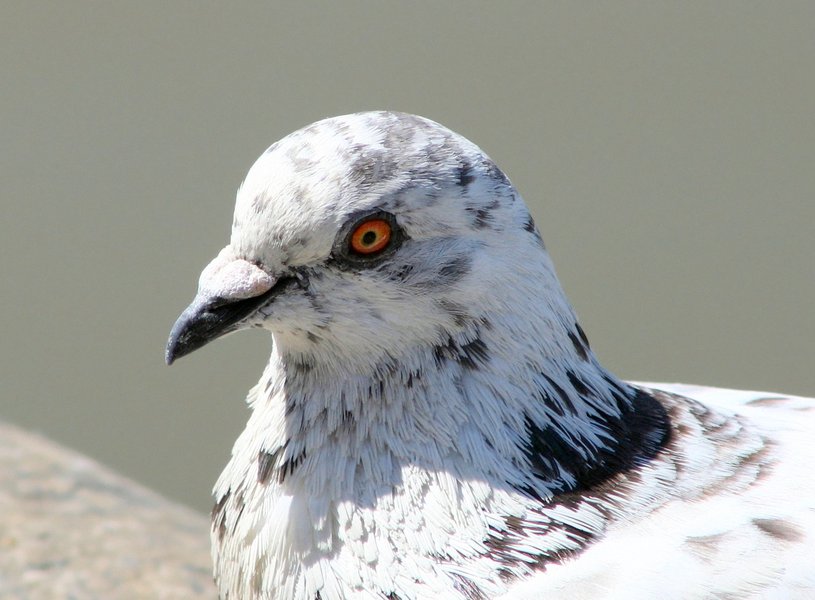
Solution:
(368, 238)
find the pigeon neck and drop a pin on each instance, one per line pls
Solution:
(542, 424)
(460, 447)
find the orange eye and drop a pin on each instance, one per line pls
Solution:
(370, 237)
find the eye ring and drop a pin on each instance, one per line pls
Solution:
(370, 237)
(367, 239)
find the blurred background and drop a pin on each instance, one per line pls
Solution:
(667, 152)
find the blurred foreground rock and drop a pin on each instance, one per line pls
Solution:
(70, 528)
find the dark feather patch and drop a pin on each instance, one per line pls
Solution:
(582, 335)
(635, 437)
(482, 218)
(454, 270)
(495, 173)
(504, 549)
(217, 516)
(577, 384)
(779, 529)
(465, 174)
(468, 588)
(546, 449)
(553, 404)
(288, 467)
(529, 225)
(638, 435)
(457, 311)
(482, 215)
(578, 346)
(565, 401)
(470, 355)
(268, 465)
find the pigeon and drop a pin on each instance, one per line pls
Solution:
(433, 423)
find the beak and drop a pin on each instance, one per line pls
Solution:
(230, 291)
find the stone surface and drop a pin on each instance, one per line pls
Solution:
(70, 528)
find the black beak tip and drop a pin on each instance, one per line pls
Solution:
(182, 339)
(169, 355)
(171, 352)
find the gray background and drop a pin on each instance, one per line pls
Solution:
(667, 151)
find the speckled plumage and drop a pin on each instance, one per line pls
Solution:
(432, 422)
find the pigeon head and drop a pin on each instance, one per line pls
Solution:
(358, 237)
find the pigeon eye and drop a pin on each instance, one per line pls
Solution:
(370, 237)
(367, 239)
